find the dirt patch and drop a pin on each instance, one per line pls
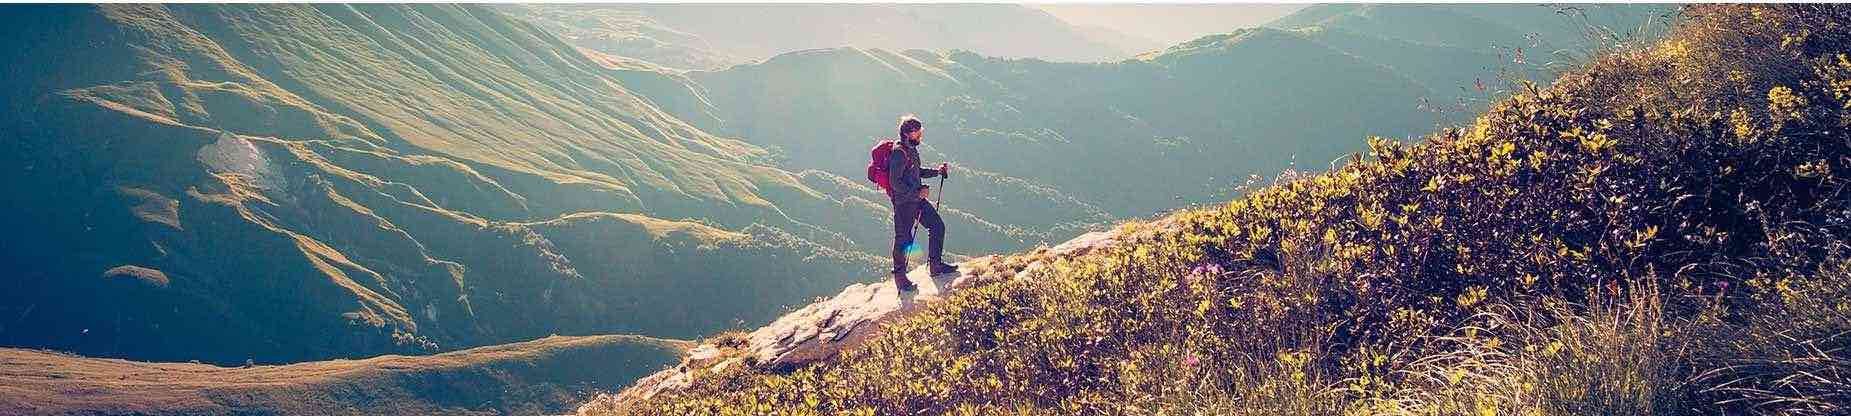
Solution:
(145, 276)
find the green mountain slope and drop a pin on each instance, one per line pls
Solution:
(624, 32)
(302, 182)
(1659, 232)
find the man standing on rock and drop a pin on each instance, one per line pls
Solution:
(909, 195)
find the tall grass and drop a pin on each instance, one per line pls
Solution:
(1616, 356)
(1792, 355)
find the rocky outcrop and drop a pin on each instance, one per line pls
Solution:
(829, 326)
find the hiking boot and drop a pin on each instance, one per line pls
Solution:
(900, 282)
(939, 268)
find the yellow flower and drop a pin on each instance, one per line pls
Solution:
(1783, 103)
(1744, 126)
(1597, 142)
(1817, 169)
(1471, 297)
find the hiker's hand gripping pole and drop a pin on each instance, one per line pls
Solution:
(942, 173)
(940, 199)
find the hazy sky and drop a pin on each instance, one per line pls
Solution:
(1169, 23)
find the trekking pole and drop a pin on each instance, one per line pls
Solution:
(941, 186)
(917, 214)
(935, 204)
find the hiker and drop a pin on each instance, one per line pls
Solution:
(909, 195)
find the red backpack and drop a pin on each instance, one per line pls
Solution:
(877, 164)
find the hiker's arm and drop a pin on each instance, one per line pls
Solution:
(943, 171)
(897, 179)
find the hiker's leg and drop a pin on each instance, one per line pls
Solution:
(935, 232)
(903, 216)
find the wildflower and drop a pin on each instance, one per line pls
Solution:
(1206, 269)
(1783, 103)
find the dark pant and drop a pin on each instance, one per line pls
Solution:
(904, 213)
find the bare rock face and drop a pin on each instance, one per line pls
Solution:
(823, 329)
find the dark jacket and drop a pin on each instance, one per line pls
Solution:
(904, 176)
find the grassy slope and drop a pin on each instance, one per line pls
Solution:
(534, 377)
(1660, 232)
(333, 181)
(621, 32)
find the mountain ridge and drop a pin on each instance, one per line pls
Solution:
(691, 37)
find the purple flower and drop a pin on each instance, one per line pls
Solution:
(1205, 269)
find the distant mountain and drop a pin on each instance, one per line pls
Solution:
(1123, 41)
(1127, 137)
(1485, 26)
(714, 36)
(1429, 24)
(1186, 124)
(1467, 54)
